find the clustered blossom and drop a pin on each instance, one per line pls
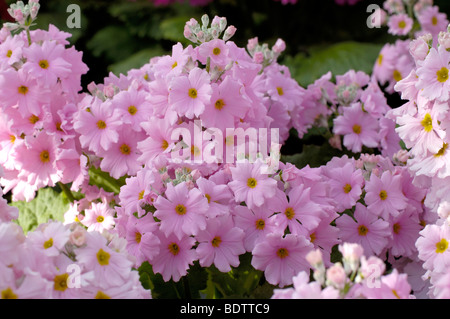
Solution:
(355, 277)
(40, 78)
(169, 129)
(422, 124)
(58, 261)
(357, 108)
(396, 60)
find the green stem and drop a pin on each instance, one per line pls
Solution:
(28, 36)
(67, 191)
(208, 64)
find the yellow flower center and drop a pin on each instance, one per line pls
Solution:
(395, 294)
(60, 282)
(141, 195)
(397, 228)
(9, 294)
(208, 197)
(441, 246)
(125, 149)
(216, 241)
(33, 119)
(280, 91)
(260, 224)
(22, 89)
(347, 188)
(9, 53)
(12, 138)
(100, 219)
(138, 237)
(219, 104)
(174, 65)
(132, 109)
(442, 75)
(441, 152)
(48, 243)
(195, 151)
(44, 64)
(251, 182)
(192, 93)
(180, 209)
(434, 20)
(363, 230)
(427, 123)
(402, 24)
(383, 195)
(380, 59)
(289, 212)
(44, 156)
(174, 249)
(101, 125)
(397, 75)
(164, 145)
(216, 51)
(282, 253)
(101, 295)
(312, 237)
(356, 129)
(103, 257)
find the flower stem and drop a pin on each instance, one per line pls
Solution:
(66, 191)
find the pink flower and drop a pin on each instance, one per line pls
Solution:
(122, 157)
(99, 217)
(97, 124)
(38, 160)
(357, 127)
(133, 107)
(228, 105)
(49, 238)
(181, 211)
(256, 223)
(175, 256)
(141, 239)
(108, 265)
(433, 247)
(297, 211)
(393, 286)
(47, 62)
(281, 258)
(188, 95)
(384, 195)
(216, 50)
(405, 231)
(400, 24)
(218, 195)
(345, 186)
(251, 185)
(433, 75)
(21, 89)
(433, 21)
(366, 229)
(220, 244)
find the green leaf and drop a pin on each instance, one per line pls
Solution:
(112, 42)
(172, 28)
(312, 155)
(337, 58)
(104, 180)
(135, 61)
(47, 205)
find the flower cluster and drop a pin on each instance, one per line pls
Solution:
(58, 261)
(355, 277)
(406, 18)
(422, 124)
(353, 109)
(40, 78)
